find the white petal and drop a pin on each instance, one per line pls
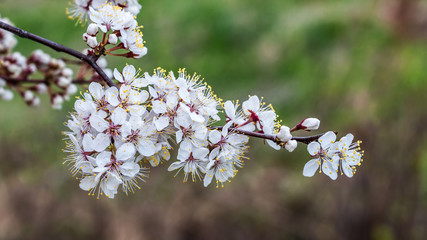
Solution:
(159, 107)
(348, 171)
(96, 90)
(162, 122)
(136, 110)
(214, 154)
(176, 165)
(101, 142)
(125, 151)
(224, 131)
(119, 116)
(200, 153)
(327, 139)
(146, 147)
(251, 104)
(87, 143)
(229, 110)
(196, 117)
(117, 75)
(273, 145)
(208, 178)
(98, 123)
(88, 183)
(329, 170)
(103, 159)
(184, 94)
(112, 96)
(179, 136)
(313, 148)
(310, 168)
(129, 72)
(214, 136)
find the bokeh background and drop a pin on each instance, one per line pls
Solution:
(358, 65)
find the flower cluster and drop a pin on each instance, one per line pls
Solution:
(116, 134)
(118, 28)
(333, 157)
(79, 9)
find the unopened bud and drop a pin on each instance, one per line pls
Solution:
(310, 124)
(284, 134)
(57, 101)
(67, 72)
(92, 29)
(291, 145)
(63, 81)
(31, 68)
(35, 102)
(112, 39)
(102, 62)
(28, 96)
(85, 36)
(92, 42)
(7, 95)
(71, 89)
(41, 88)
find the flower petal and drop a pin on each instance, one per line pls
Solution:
(310, 168)
(313, 148)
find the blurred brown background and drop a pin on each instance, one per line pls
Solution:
(358, 65)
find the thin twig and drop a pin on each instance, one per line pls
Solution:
(15, 81)
(91, 60)
(271, 137)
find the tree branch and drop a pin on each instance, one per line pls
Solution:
(15, 81)
(271, 137)
(91, 60)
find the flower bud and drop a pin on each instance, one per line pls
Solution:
(66, 72)
(291, 145)
(7, 95)
(35, 102)
(284, 134)
(63, 81)
(71, 89)
(61, 64)
(57, 101)
(310, 124)
(2, 82)
(92, 42)
(102, 62)
(28, 96)
(15, 70)
(85, 36)
(112, 39)
(31, 68)
(92, 29)
(41, 88)
(41, 57)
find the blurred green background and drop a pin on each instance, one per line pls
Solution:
(358, 65)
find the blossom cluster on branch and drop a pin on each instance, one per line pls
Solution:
(118, 130)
